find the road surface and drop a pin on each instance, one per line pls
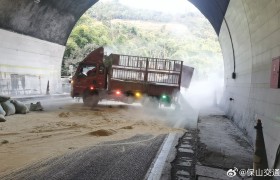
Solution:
(65, 142)
(127, 159)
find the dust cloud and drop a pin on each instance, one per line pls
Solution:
(202, 94)
(180, 114)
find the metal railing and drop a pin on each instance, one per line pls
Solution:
(151, 70)
(165, 78)
(141, 62)
(20, 85)
(128, 74)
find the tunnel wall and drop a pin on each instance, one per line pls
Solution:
(255, 30)
(27, 64)
(32, 39)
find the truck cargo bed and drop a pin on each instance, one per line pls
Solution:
(152, 76)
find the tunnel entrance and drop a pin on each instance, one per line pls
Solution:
(41, 58)
(33, 35)
(180, 32)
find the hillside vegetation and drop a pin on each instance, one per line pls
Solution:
(124, 30)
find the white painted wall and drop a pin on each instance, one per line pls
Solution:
(37, 60)
(255, 29)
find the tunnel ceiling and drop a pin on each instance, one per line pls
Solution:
(53, 20)
(213, 10)
(50, 20)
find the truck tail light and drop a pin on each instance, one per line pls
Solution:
(138, 94)
(91, 88)
(118, 92)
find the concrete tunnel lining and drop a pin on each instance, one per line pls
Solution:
(48, 20)
(53, 20)
(255, 29)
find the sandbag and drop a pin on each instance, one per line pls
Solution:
(2, 118)
(8, 107)
(21, 108)
(4, 98)
(2, 111)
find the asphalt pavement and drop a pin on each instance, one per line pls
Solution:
(128, 159)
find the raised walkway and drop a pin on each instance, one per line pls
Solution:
(221, 146)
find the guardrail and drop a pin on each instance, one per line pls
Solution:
(20, 85)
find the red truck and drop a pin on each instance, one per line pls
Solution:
(129, 78)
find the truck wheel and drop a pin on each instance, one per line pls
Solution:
(90, 100)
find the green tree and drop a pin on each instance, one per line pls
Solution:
(187, 36)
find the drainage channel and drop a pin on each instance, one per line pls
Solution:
(184, 159)
(183, 166)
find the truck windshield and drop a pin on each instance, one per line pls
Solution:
(88, 70)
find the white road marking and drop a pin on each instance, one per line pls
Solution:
(158, 166)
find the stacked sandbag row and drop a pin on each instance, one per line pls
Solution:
(9, 107)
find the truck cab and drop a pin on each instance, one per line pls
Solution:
(90, 77)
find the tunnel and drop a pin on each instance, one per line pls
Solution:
(33, 35)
